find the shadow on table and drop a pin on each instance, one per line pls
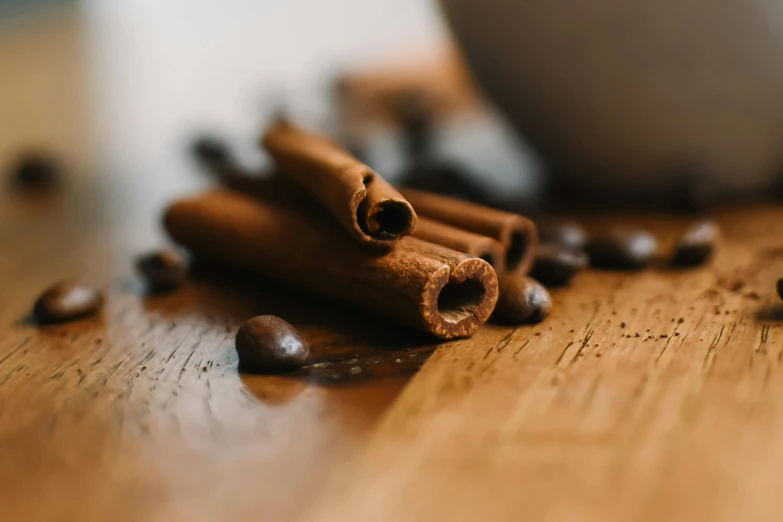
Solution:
(347, 344)
(770, 313)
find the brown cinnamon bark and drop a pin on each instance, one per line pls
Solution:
(364, 203)
(276, 188)
(446, 293)
(516, 233)
(460, 240)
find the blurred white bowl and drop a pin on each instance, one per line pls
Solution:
(637, 95)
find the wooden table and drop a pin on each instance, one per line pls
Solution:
(645, 396)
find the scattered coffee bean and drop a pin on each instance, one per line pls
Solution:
(753, 295)
(36, 171)
(445, 177)
(622, 248)
(210, 150)
(66, 301)
(522, 299)
(736, 285)
(555, 265)
(163, 269)
(268, 345)
(697, 245)
(698, 190)
(413, 110)
(780, 288)
(341, 89)
(563, 233)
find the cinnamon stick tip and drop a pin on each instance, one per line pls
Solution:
(386, 220)
(381, 214)
(458, 301)
(521, 243)
(492, 252)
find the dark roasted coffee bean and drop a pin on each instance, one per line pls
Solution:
(697, 245)
(522, 299)
(67, 301)
(414, 112)
(698, 189)
(37, 171)
(210, 151)
(267, 344)
(564, 233)
(447, 178)
(555, 265)
(622, 248)
(780, 288)
(163, 269)
(341, 88)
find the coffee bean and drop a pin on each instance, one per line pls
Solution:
(780, 288)
(36, 171)
(163, 269)
(622, 248)
(413, 109)
(414, 112)
(697, 245)
(210, 151)
(555, 265)
(341, 89)
(698, 189)
(564, 233)
(445, 177)
(522, 299)
(66, 301)
(267, 345)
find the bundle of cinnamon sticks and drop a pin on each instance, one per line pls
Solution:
(329, 223)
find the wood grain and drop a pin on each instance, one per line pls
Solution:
(140, 414)
(645, 396)
(650, 396)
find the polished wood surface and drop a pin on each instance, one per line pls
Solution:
(645, 396)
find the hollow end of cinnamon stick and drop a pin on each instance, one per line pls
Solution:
(456, 304)
(515, 232)
(383, 218)
(520, 246)
(370, 209)
(444, 292)
(475, 245)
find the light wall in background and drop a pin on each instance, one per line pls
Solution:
(160, 69)
(43, 104)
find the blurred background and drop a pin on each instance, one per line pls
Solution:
(630, 103)
(121, 88)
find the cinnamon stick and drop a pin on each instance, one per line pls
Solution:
(446, 293)
(460, 240)
(276, 189)
(519, 297)
(516, 233)
(364, 203)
